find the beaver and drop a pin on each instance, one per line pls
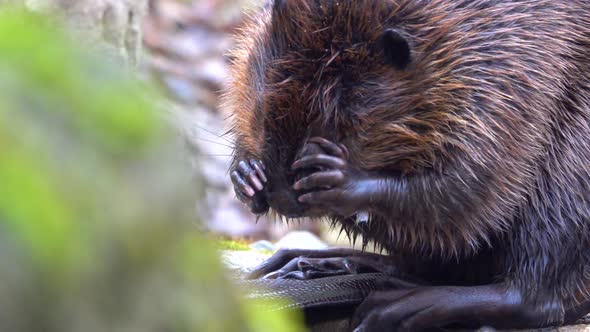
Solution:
(453, 134)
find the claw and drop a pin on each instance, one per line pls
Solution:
(319, 160)
(241, 184)
(320, 180)
(335, 149)
(259, 169)
(250, 174)
(248, 178)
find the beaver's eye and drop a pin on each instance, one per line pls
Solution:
(396, 49)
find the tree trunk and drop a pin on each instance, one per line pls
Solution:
(111, 24)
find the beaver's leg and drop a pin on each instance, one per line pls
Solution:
(249, 179)
(496, 305)
(310, 264)
(577, 312)
(336, 185)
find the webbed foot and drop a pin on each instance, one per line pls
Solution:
(311, 264)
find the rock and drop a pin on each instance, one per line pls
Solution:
(575, 328)
(242, 262)
(112, 25)
(301, 240)
(263, 245)
(245, 261)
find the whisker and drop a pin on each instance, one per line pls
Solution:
(222, 136)
(216, 155)
(208, 140)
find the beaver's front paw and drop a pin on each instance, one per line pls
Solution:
(334, 184)
(249, 180)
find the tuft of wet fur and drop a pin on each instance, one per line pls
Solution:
(488, 128)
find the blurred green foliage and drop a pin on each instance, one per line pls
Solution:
(232, 245)
(96, 227)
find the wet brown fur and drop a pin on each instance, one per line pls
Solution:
(488, 127)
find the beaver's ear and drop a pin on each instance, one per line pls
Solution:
(396, 49)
